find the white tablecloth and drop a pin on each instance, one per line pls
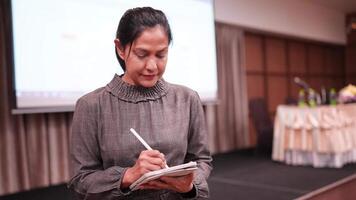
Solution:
(323, 136)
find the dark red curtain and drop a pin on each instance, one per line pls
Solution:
(33, 147)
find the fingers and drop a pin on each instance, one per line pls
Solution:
(153, 157)
(172, 180)
(179, 184)
(152, 153)
(156, 185)
(149, 160)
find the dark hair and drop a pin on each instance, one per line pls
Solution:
(135, 21)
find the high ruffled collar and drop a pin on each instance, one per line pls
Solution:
(133, 93)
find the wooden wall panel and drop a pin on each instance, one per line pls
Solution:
(329, 61)
(339, 83)
(252, 132)
(272, 62)
(277, 92)
(335, 82)
(272, 117)
(255, 86)
(317, 83)
(351, 52)
(275, 55)
(334, 61)
(254, 53)
(330, 83)
(351, 35)
(339, 61)
(315, 59)
(351, 60)
(351, 80)
(297, 58)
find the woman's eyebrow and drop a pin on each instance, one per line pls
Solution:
(140, 49)
(165, 49)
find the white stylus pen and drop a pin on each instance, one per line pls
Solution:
(142, 140)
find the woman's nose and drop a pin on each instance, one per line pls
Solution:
(151, 65)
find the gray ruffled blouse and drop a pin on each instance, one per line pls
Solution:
(168, 117)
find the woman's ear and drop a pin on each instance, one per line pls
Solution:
(119, 49)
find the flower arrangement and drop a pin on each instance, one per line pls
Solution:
(347, 94)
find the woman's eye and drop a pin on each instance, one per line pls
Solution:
(141, 55)
(161, 55)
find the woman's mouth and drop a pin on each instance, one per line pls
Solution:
(149, 77)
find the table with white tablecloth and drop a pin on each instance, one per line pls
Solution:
(323, 136)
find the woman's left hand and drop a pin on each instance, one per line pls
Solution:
(181, 184)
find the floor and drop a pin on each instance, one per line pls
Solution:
(238, 175)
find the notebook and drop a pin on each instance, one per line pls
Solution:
(178, 170)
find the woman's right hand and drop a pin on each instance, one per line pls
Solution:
(149, 160)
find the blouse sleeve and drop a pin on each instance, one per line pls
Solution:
(89, 180)
(198, 148)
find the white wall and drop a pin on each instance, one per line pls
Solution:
(298, 18)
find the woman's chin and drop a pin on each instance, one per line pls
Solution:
(148, 83)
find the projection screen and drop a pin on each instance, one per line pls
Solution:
(64, 48)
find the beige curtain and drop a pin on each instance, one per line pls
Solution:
(34, 147)
(228, 120)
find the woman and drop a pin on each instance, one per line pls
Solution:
(106, 157)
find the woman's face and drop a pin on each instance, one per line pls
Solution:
(147, 59)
